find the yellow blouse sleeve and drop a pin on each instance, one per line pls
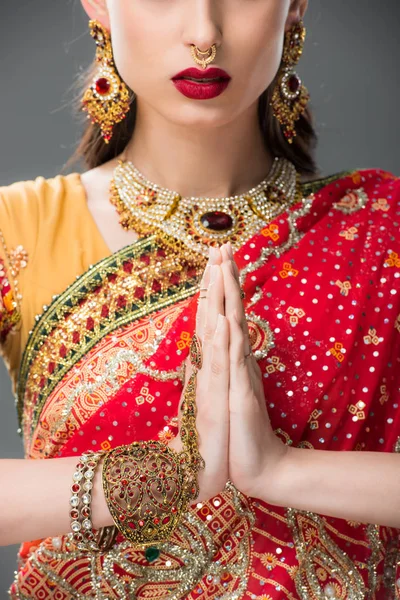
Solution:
(18, 232)
(47, 238)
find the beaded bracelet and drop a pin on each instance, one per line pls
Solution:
(80, 512)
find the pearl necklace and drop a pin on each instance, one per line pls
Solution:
(194, 224)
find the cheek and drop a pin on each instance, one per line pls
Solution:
(140, 41)
(257, 63)
(255, 42)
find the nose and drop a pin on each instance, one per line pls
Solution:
(202, 25)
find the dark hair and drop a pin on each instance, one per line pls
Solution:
(94, 151)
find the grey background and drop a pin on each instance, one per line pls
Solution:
(350, 66)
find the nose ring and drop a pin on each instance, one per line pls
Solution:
(203, 57)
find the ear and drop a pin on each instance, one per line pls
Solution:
(296, 13)
(97, 10)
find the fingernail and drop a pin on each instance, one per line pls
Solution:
(229, 250)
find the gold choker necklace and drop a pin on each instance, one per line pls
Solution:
(197, 223)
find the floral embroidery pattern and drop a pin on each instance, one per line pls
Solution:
(9, 314)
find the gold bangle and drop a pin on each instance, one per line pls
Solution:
(147, 490)
(147, 485)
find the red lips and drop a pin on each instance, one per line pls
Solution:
(211, 73)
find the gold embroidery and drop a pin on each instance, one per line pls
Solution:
(276, 585)
(122, 288)
(274, 364)
(288, 271)
(393, 260)
(352, 201)
(313, 418)
(357, 410)
(212, 555)
(145, 395)
(338, 351)
(295, 315)
(117, 357)
(381, 204)
(315, 549)
(349, 234)
(184, 340)
(372, 338)
(18, 260)
(271, 231)
(10, 309)
(260, 335)
(345, 287)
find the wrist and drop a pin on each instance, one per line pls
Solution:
(271, 484)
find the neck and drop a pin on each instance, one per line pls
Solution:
(200, 161)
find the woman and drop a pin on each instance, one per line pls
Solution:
(284, 286)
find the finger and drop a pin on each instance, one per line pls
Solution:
(240, 377)
(233, 299)
(214, 258)
(213, 388)
(214, 307)
(218, 375)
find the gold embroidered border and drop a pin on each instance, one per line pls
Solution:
(315, 186)
(97, 276)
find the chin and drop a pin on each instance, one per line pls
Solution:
(198, 116)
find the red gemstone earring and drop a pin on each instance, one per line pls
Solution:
(107, 99)
(290, 96)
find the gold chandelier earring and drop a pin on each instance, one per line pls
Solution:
(107, 99)
(203, 57)
(290, 96)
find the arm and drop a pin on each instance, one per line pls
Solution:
(34, 500)
(358, 486)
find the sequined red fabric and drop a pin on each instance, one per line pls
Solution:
(323, 288)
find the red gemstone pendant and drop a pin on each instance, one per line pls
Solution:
(216, 221)
(103, 86)
(294, 84)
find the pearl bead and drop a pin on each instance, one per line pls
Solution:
(329, 591)
(56, 541)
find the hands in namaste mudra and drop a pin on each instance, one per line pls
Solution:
(235, 437)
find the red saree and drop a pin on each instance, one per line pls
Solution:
(102, 368)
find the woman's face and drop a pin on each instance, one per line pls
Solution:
(151, 43)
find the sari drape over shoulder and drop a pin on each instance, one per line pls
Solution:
(95, 344)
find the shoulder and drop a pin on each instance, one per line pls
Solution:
(31, 207)
(31, 195)
(374, 194)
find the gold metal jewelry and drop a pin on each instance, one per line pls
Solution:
(203, 57)
(290, 96)
(83, 534)
(242, 295)
(261, 338)
(148, 486)
(192, 225)
(107, 99)
(196, 354)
